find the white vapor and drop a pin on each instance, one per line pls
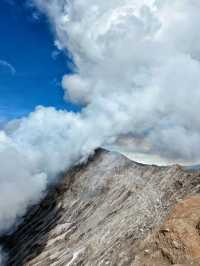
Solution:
(137, 74)
(11, 68)
(137, 65)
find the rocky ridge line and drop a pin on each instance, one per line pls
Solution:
(100, 213)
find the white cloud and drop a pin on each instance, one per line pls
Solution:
(141, 58)
(7, 65)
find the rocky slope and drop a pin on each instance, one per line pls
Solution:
(113, 211)
(177, 240)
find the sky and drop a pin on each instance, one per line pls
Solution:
(31, 67)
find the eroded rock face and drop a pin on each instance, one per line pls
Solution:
(177, 242)
(99, 213)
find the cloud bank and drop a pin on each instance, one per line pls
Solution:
(137, 74)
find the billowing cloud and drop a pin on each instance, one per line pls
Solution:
(137, 73)
(138, 63)
(7, 65)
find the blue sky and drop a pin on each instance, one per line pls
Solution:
(33, 76)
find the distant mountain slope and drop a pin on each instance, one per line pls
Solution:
(99, 212)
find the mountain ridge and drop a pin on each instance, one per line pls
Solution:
(99, 212)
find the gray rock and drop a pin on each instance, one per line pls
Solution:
(98, 212)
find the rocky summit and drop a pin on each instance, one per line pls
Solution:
(113, 211)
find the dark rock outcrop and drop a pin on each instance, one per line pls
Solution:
(99, 213)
